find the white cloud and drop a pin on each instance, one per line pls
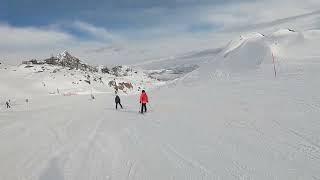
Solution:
(247, 13)
(100, 33)
(30, 37)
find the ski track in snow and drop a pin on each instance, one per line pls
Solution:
(308, 147)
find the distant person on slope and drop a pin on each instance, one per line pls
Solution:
(118, 101)
(8, 104)
(143, 101)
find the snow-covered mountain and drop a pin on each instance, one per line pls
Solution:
(68, 75)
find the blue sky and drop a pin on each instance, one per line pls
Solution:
(127, 17)
(111, 13)
(36, 28)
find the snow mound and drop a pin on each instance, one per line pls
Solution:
(244, 53)
(239, 42)
(248, 52)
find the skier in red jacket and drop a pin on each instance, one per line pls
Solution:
(143, 101)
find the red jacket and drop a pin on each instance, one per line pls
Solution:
(144, 98)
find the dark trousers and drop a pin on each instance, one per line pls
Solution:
(143, 107)
(119, 104)
(8, 106)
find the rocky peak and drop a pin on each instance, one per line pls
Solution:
(65, 55)
(65, 59)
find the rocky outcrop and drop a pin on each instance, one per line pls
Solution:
(105, 70)
(33, 61)
(64, 59)
(120, 71)
(123, 86)
(52, 60)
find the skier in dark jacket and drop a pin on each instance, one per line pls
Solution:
(8, 105)
(118, 101)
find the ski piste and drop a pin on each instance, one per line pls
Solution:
(231, 118)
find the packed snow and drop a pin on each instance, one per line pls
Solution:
(250, 111)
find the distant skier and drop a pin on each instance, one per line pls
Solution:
(118, 101)
(93, 97)
(8, 104)
(143, 101)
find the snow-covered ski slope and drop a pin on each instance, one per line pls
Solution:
(229, 119)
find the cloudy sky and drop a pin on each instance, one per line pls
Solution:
(128, 31)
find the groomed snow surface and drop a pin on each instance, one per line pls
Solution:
(229, 119)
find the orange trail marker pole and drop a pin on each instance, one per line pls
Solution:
(274, 66)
